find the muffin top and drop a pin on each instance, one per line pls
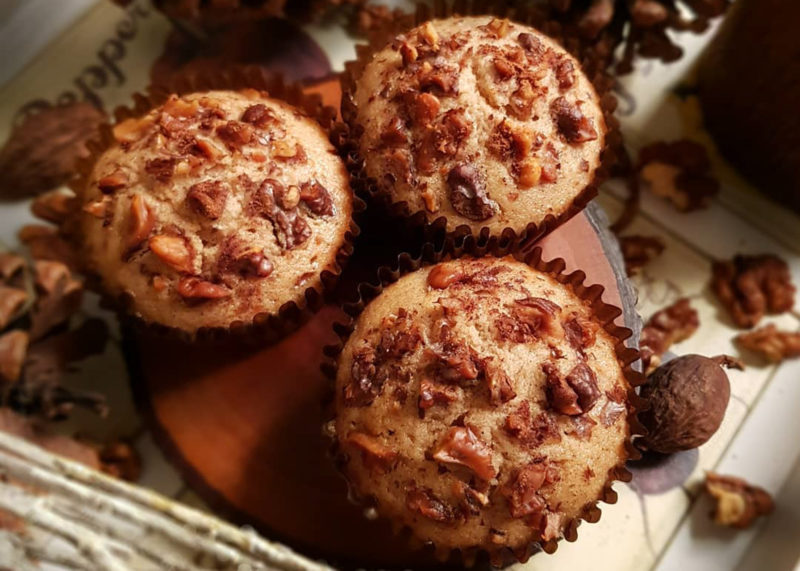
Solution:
(214, 208)
(480, 403)
(483, 121)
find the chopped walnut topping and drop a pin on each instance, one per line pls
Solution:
(639, 250)
(10, 264)
(11, 300)
(522, 489)
(425, 109)
(409, 53)
(580, 332)
(161, 169)
(462, 446)
(429, 35)
(364, 385)
(679, 172)
(393, 133)
(376, 456)
(739, 504)
(112, 182)
(520, 104)
(141, 224)
(771, 343)
(13, 349)
(204, 148)
(571, 122)
(565, 73)
(441, 78)
(54, 206)
(427, 504)
(317, 198)
(751, 286)
(673, 324)
(442, 276)
(530, 318)
(131, 130)
(198, 289)
(434, 394)
(532, 432)
(208, 198)
(468, 194)
(235, 134)
(180, 108)
(289, 227)
(532, 45)
(399, 337)
(175, 251)
(443, 140)
(258, 115)
(501, 389)
(499, 27)
(583, 381)
(560, 395)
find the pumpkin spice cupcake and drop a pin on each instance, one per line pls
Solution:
(215, 209)
(477, 121)
(483, 405)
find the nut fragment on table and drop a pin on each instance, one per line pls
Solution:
(638, 251)
(752, 286)
(687, 398)
(678, 171)
(13, 348)
(739, 503)
(53, 206)
(11, 301)
(10, 264)
(670, 325)
(771, 343)
(121, 460)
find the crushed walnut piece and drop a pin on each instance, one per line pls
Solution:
(462, 446)
(376, 456)
(11, 301)
(573, 394)
(672, 324)
(427, 504)
(751, 286)
(738, 503)
(771, 343)
(678, 171)
(638, 251)
(521, 490)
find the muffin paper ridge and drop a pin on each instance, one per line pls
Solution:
(435, 230)
(264, 327)
(606, 314)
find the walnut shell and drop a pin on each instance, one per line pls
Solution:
(687, 400)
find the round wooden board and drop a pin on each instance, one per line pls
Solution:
(244, 425)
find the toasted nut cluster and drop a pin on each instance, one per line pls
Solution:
(673, 324)
(687, 398)
(679, 172)
(750, 287)
(738, 503)
(771, 343)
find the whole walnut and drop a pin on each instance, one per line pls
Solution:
(687, 398)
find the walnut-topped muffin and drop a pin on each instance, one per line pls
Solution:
(482, 121)
(481, 404)
(215, 208)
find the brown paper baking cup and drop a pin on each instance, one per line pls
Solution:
(605, 313)
(263, 327)
(435, 230)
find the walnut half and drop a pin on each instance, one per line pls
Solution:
(738, 503)
(771, 343)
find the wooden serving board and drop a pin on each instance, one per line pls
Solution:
(244, 425)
